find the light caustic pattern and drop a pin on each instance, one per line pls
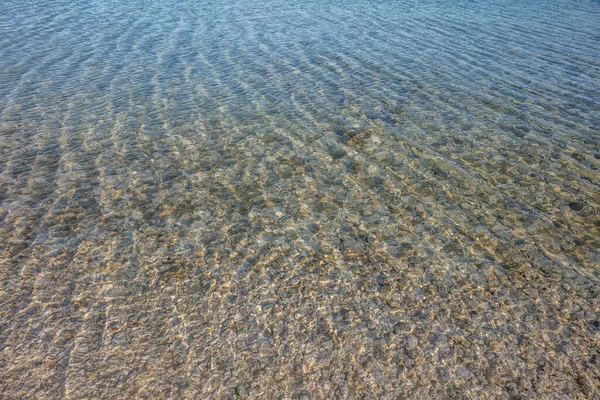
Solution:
(305, 199)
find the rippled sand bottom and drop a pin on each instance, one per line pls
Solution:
(302, 273)
(311, 201)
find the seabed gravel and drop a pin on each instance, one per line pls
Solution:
(304, 200)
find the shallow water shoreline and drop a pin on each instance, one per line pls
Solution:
(312, 200)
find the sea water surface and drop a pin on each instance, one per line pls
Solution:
(299, 199)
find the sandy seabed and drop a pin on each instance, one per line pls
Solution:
(309, 200)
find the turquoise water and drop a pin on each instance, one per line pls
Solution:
(351, 199)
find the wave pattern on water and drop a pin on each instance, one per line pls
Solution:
(314, 198)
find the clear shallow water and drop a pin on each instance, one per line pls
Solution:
(319, 199)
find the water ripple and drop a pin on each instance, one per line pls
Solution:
(308, 199)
